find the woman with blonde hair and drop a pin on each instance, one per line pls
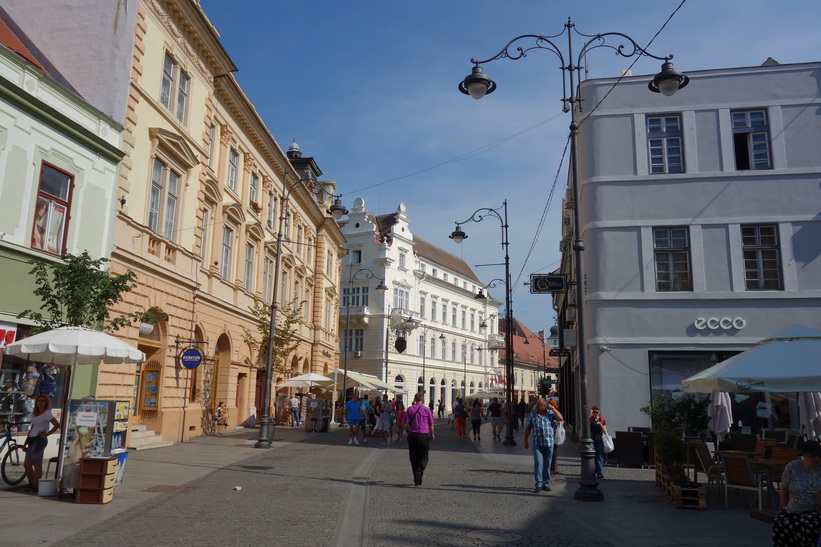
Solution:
(37, 440)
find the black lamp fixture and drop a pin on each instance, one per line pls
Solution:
(667, 82)
(337, 211)
(458, 235)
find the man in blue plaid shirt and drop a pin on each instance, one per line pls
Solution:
(541, 423)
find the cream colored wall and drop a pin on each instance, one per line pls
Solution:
(171, 275)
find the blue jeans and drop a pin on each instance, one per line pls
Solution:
(598, 444)
(541, 464)
(294, 417)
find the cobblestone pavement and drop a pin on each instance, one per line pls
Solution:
(314, 489)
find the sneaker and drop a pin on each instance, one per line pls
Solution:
(384, 443)
(480, 438)
(537, 490)
(545, 488)
(355, 441)
(599, 476)
(350, 441)
(417, 478)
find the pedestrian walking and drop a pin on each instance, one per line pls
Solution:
(441, 409)
(460, 415)
(352, 412)
(387, 408)
(401, 421)
(598, 428)
(420, 434)
(554, 469)
(522, 413)
(476, 419)
(294, 411)
(540, 423)
(494, 410)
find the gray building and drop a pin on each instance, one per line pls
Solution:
(701, 218)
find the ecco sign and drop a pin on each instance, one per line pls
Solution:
(719, 323)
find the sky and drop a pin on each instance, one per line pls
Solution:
(369, 89)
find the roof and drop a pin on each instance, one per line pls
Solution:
(13, 38)
(427, 250)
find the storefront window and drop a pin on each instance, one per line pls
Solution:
(755, 410)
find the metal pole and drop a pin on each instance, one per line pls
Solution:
(424, 385)
(509, 440)
(342, 417)
(266, 426)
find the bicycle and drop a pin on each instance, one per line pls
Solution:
(12, 467)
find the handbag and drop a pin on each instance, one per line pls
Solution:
(560, 435)
(607, 440)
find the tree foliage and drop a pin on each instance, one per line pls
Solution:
(284, 340)
(685, 414)
(78, 291)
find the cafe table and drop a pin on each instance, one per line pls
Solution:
(767, 469)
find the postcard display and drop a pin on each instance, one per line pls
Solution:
(95, 429)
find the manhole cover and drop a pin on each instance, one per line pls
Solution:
(494, 536)
(168, 489)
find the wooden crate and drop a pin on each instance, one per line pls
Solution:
(690, 497)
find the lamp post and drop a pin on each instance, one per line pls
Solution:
(458, 235)
(425, 331)
(337, 211)
(381, 287)
(666, 82)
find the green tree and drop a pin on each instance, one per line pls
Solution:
(78, 291)
(284, 340)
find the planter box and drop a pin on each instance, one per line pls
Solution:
(686, 497)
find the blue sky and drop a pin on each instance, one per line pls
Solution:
(369, 89)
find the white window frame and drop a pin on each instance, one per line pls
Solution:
(248, 271)
(174, 88)
(751, 130)
(665, 144)
(226, 256)
(163, 203)
(233, 168)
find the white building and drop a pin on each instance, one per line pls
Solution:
(701, 218)
(429, 302)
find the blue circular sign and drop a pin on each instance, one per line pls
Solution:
(191, 358)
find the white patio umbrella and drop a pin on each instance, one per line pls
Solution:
(73, 346)
(809, 409)
(721, 414)
(486, 395)
(788, 361)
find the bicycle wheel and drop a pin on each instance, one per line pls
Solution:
(12, 467)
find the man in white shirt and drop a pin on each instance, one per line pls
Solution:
(295, 411)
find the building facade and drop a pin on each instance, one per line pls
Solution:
(59, 160)
(429, 306)
(206, 193)
(700, 219)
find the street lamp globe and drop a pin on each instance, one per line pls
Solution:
(668, 81)
(477, 84)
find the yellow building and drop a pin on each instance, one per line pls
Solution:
(202, 188)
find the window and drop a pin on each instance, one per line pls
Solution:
(227, 246)
(297, 293)
(212, 137)
(248, 273)
(751, 140)
(433, 346)
(444, 313)
(444, 349)
(162, 205)
(762, 262)
(672, 257)
(422, 307)
(453, 314)
(51, 211)
(174, 79)
(664, 144)
(309, 253)
(453, 351)
(422, 342)
(355, 296)
(400, 298)
(464, 319)
(299, 239)
(253, 192)
(444, 277)
(472, 322)
(267, 279)
(433, 310)
(283, 290)
(353, 340)
(433, 272)
(356, 257)
(402, 259)
(272, 210)
(233, 161)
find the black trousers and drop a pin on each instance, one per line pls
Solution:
(418, 448)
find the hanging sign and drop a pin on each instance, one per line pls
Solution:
(191, 358)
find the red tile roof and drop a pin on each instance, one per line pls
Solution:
(9, 39)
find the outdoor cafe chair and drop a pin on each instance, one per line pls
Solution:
(738, 474)
(712, 470)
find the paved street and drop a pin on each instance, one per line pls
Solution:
(314, 489)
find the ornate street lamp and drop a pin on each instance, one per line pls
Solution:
(381, 287)
(667, 82)
(458, 235)
(337, 211)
